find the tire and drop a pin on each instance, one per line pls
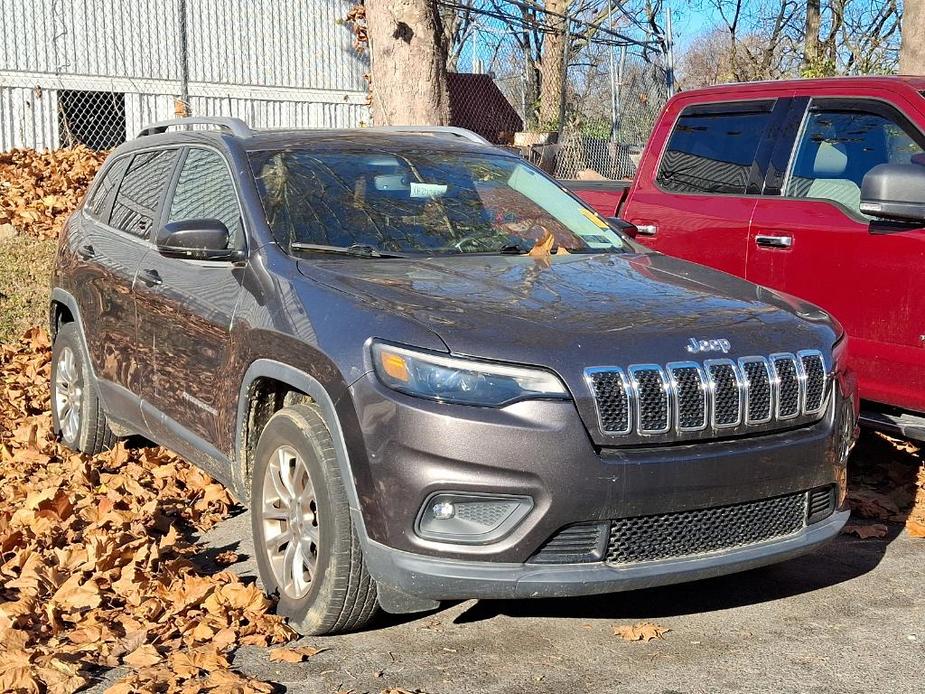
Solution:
(330, 591)
(76, 411)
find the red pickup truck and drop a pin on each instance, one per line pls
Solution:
(812, 187)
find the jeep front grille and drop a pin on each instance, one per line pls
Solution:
(688, 533)
(718, 397)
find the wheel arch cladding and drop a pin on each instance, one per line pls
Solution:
(263, 373)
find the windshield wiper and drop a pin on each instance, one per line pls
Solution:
(513, 249)
(362, 250)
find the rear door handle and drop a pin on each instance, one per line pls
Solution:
(646, 229)
(86, 251)
(770, 241)
(151, 278)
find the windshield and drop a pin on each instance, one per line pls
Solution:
(421, 202)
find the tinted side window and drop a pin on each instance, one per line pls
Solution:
(838, 148)
(100, 202)
(136, 203)
(712, 151)
(205, 191)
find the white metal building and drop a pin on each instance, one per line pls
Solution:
(96, 71)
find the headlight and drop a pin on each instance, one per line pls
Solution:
(462, 381)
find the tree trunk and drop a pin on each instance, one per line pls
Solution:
(912, 58)
(553, 68)
(811, 35)
(408, 56)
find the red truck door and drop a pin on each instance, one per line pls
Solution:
(811, 240)
(696, 200)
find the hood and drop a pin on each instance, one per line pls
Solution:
(571, 312)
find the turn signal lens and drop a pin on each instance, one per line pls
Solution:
(395, 366)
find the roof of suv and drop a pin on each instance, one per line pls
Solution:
(360, 138)
(394, 138)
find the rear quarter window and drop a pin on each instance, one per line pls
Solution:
(100, 201)
(711, 150)
(141, 191)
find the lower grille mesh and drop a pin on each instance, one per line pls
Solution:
(685, 533)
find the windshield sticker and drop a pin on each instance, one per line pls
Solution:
(594, 219)
(427, 190)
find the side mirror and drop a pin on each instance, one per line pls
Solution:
(196, 239)
(622, 225)
(895, 192)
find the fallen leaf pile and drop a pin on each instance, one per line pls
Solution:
(644, 631)
(96, 568)
(886, 483)
(38, 190)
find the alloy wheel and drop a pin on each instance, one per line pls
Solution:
(289, 513)
(67, 395)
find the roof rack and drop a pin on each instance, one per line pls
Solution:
(235, 126)
(444, 130)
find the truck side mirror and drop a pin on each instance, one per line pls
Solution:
(894, 192)
(624, 226)
(196, 239)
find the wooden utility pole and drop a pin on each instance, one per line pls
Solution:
(408, 63)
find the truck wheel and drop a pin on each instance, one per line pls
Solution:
(305, 544)
(76, 411)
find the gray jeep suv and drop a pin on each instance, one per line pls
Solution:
(435, 374)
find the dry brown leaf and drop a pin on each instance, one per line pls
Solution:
(644, 631)
(915, 528)
(866, 531)
(293, 655)
(143, 656)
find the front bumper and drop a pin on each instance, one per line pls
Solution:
(410, 449)
(434, 578)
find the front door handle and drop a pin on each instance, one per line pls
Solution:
(86, 251)
(770, 241)
(151, 278)
(646, 229)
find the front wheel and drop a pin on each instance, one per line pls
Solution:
(76, 411)
(305, 543)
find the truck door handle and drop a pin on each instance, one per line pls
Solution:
(646, 229)
(151, 278)
(86, 251)
(768, 241)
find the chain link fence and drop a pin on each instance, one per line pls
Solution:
(94, 72)
(573, 95)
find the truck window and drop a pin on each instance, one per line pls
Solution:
(138, 197)
(711, 151)
(838, 148)
(205, 191)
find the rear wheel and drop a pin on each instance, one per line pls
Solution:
(76, 412)
(305, 543)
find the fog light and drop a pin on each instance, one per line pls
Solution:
(444, 510)
(467, 518)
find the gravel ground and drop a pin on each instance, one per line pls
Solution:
(848, 618)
